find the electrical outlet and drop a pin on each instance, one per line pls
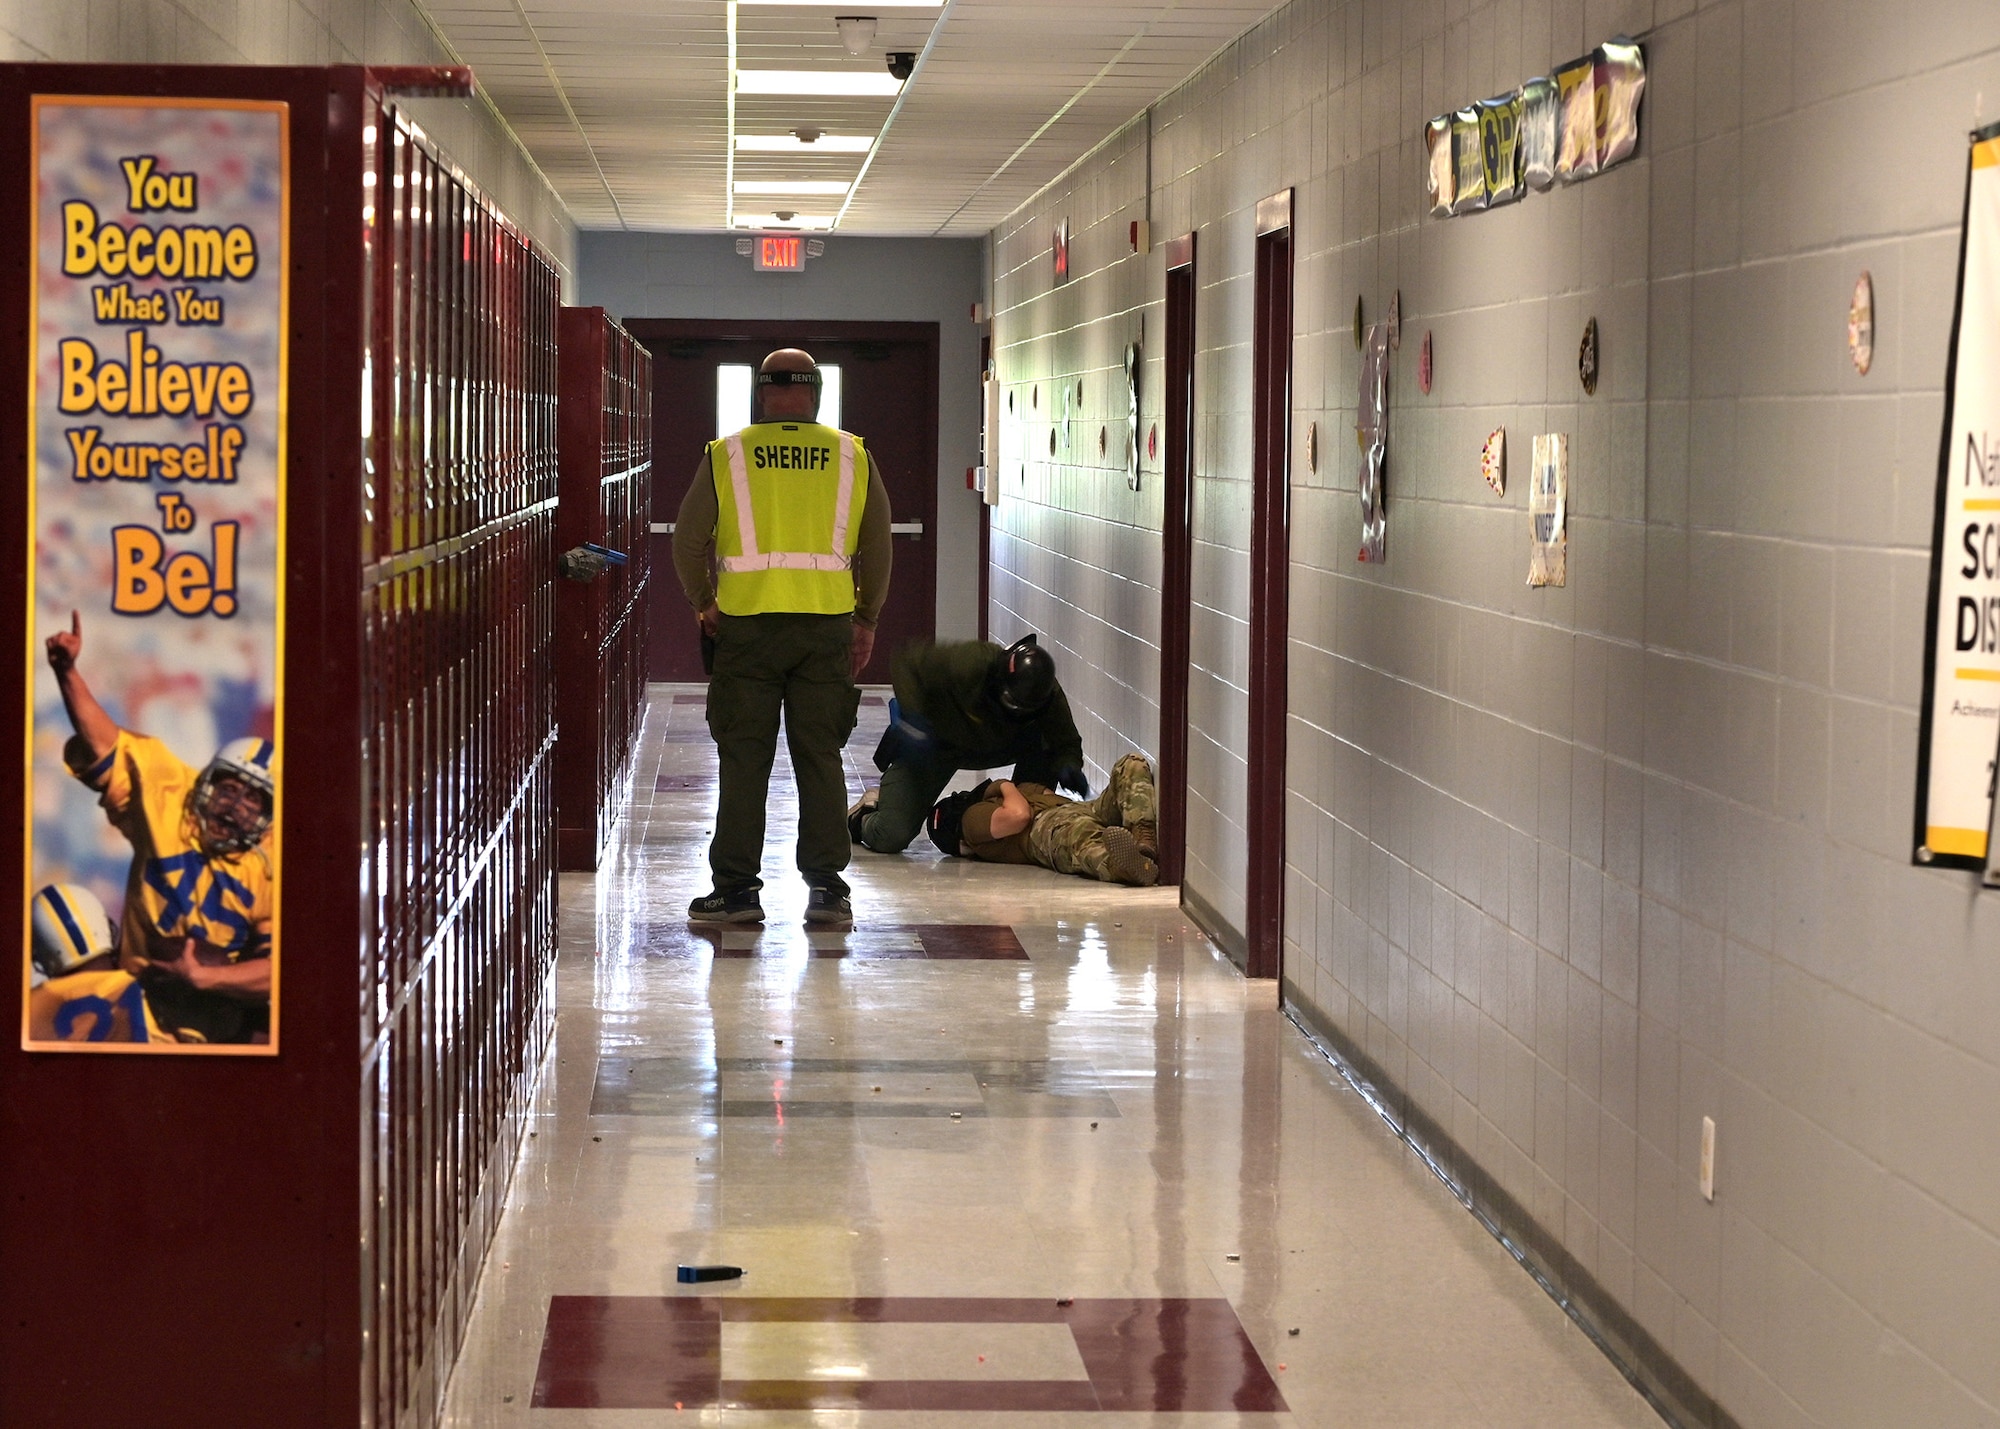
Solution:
(1708, 1158)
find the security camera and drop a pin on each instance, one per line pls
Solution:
(902, 63)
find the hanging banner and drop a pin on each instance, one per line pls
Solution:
(1500, 151)
(1440, 170)
(1956, 743)
(155, 608)
(1468, 162)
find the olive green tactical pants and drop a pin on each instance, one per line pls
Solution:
(802, 666)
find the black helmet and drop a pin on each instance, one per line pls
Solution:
(1024, 677)
(947, 820)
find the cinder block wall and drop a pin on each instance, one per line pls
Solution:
(302, 32)
(1573, 869)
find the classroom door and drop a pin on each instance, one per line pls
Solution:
(882, 376)
(1270, 585)
(1177, 560)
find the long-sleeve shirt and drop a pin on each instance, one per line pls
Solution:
(945, 686)
(694, 545)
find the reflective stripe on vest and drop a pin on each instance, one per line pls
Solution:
(754, 559)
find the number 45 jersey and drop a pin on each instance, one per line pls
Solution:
(175, 891)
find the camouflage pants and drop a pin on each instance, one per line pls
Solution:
(1070, 839)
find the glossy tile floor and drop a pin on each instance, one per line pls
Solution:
(1020, 1149)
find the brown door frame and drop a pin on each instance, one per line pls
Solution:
(1177, 558)
(1270, 588)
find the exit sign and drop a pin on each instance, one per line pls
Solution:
(780, 253)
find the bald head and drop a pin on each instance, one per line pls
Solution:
(788, 386)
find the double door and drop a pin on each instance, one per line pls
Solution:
(879, 382)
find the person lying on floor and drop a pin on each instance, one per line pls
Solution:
(1113, 837)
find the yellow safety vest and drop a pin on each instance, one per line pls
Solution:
(788, 501)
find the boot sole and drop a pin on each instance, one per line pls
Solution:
(1125, 863)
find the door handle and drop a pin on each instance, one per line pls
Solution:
(906, 528)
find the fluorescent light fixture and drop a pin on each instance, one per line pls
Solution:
(786, 144)
(850, 6)
(774, 223)
(843, 82)
(828, 188)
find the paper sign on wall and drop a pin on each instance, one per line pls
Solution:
(1371, 433)
(1956, 743)
(1548, 511)
(155, 606)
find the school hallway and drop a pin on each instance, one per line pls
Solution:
(1016, 1149)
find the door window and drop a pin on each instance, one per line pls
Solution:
(733, 384)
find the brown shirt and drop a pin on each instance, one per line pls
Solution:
(975, 830)
(694, 545)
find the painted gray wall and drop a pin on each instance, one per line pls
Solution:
(323, 32)
(701, 275)
(1579, 867)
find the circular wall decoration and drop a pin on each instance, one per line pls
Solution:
(1424, 364)
(1035, 396)
(1396, 321)
(1359, 328)
(1103, 440)
(1153, 441)
(1586, 359)
(1010, 399)
(1052, 441)
(1079, 391)
(1861, 324)
(1312, 446)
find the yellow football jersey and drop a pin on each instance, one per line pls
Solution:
(92, 1006)
(175, 891)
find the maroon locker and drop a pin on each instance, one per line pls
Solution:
(295, 1239)
(606, 441)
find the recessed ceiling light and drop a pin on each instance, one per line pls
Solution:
(832, 188)
(818, 81)
(786, 144)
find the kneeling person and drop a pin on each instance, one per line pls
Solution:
(1112, 837)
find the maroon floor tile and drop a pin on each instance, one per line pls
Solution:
(1046, 1396)
(889, 942)
(647, 1352)
(1172, 1356)
(988, 942)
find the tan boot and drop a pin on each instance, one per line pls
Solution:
(1147, 835)
(1124, 863)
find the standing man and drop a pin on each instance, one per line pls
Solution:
(966, 704)
(796, 520)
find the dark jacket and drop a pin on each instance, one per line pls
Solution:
(946, 688)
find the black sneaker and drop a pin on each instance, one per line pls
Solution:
(737, 905)
(828, 905)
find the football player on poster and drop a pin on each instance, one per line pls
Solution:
(196, 927)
